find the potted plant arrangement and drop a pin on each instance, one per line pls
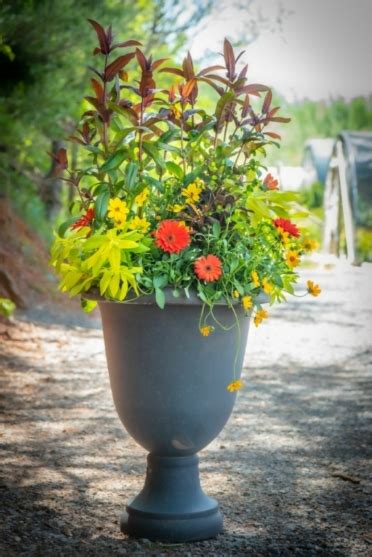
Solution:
(180, 235)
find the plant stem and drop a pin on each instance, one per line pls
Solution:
(140, 147)
(182, 144)
(105, 124)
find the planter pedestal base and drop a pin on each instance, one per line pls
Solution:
(172, 506)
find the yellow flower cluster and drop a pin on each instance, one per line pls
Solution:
(118, 211)
(177, 208)
(138, 223)
(309, 245)
(261, 314)
(292, 259)
(235, 385)
(255, 279)
(141, 198)
(192, 192)
(206, 330)
(267, 286)
(284, 236)
(313, 289)
(247, 302)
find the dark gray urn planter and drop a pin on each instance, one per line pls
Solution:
(169, 388)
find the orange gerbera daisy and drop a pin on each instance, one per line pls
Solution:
(85, 220)
(208, 268)
(172, 236)
(287, 226)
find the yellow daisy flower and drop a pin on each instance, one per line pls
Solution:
(267, 286)
(120, 221)
(192, 193)
(247, 302)
(313, 289)
(309, 245)
(235, 385)
(255, 279)
(206, 330)
(117, 208)
(176, 208)
(284, 236)
(292, 259)
(138, 223)
(261, 314)
(141, 198)
(236, 294)
(176, 112)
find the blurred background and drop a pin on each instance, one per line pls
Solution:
(316, 55)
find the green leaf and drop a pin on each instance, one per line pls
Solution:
(131, 175)
(6, 307)
(113, 162)
(65, 226)
(223, 101)
(173, 168)
(170, 148)
(168, 135)
(159, 281)
(87, 305)
(152, 151)
(160, 297)
(102, 204)
(93, 149)
(190, 177)
(216, 230)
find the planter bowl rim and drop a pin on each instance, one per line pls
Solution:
(181, 300)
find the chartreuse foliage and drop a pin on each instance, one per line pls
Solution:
(175, 196)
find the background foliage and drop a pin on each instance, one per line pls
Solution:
(45, 47)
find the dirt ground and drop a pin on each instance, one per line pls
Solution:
(291, 470)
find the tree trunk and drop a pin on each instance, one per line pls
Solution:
(50, 190)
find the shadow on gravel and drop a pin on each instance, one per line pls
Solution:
(69, 473)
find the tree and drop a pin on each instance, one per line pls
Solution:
(44, 50)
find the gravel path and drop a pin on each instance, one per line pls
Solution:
(290, 470)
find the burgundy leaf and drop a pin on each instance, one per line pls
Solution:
(228, 53)
(124, 44)
(85, 132)
(246, 106)
(188, 87)
(273, 111)
(243, 73)
(219, 90)
(267, 102)
(175, 71)
(95, 102)
(158, 63)
(95, 71)
(75, 139)
(103, 42)
(141, 59)
(98, 89)
(117, 65)
(280, 119)
(218, 78)
(273, 135)
(188, 67)
(209, 70)
(239, 56)
(60, 160)
(253, 89)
